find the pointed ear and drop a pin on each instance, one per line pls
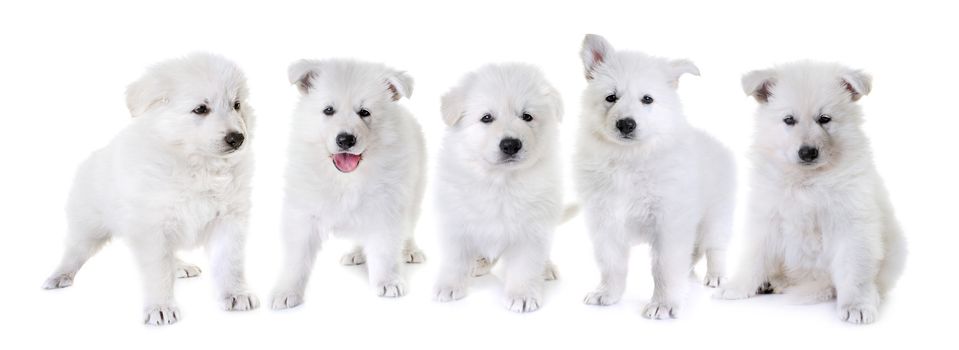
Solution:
(400, 85)
(302, 73)
(680, 67)
(453, 105)
(595, 51)
(759, 83)
(858, 83)
(144, 94)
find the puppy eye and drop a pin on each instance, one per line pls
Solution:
(486, 119)
(236, 106)
(527, 117)
(823, 119)
(612, 98)
(647, 99)
(363, 113)
(789, 120)
(201, 110)
(329, 110)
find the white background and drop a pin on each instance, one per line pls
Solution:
(65, 66)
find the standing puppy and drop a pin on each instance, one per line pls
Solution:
(645, 175)
(499, 181)
(820, 222)
(177, 177)
(356, 169)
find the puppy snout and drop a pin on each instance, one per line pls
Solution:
(626, 126)
(345, 141)
(510, 146)
(234, 139)
(808, 154)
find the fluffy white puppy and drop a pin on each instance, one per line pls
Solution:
(356, 170)
(644, 175)
(177, 177)
(820, 222)
(499, 189)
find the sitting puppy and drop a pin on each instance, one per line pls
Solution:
(177, 177)
(645, 175)
(820, 223)
(356, 169)
(499, 190)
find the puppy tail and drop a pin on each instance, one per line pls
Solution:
(569, 212)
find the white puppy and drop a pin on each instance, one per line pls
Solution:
(645, 175)
(356, 170)
(177, 177)
(820, 222)
(499, 189)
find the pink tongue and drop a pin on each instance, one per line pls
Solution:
(346, 162)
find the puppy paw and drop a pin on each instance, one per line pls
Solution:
(734, 293)
(445, 294)
(240, 302)
(391, 289)
(161, 315)
(550, 274)
(482, 267)
(58, 281)
(414, 256)
(713, 281)
(187, 271)
(858, 314)
(287, 300)
(659, 311)
(601, 298)
(522, 304)
(355, 257)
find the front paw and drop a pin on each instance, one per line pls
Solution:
(601, 297)
(287, 300)
(522, 304)
(858, 314)
(161, 315)
(391, 289)
(58, 281)
(660, 311)
(240, 302)
(448, 293)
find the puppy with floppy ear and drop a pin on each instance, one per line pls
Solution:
(499, 189)
(645, 175)
(356, 170)
(820, 222)
(177, 177)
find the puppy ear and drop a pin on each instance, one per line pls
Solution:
(858, 83)
(680, 67)
(302, 73)
(453, 105)
(143, 94)
(759, 83)
(595, 51)
(555, 103)
(400, 85)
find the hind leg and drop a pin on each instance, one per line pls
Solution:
(186, 270)
(411, 253)
(716, 230)
(354, 257)
(81, 244)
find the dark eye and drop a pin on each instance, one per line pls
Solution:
(823, 119)
(647, 99)
(527, 117)
(236, 106)
(329, 110)
(789, 120)
(363, 113)
(201, 110)
(486, 119)
(612, 98)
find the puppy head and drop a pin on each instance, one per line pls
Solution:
(346, 106)
(631, 97)
(503, 116)
(195, 104)
(808, 116)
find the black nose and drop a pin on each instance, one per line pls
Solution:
(345, 141)
(510, 145)
(808, 154)
(626, 125)
(234, 139)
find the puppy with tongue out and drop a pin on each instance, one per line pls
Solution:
(356, 170)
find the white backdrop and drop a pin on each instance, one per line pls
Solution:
(64, 67)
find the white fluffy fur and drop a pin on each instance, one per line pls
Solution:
(377, 204)
(825, 229)
(168, 181)
(491, 206)
(667, 183)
